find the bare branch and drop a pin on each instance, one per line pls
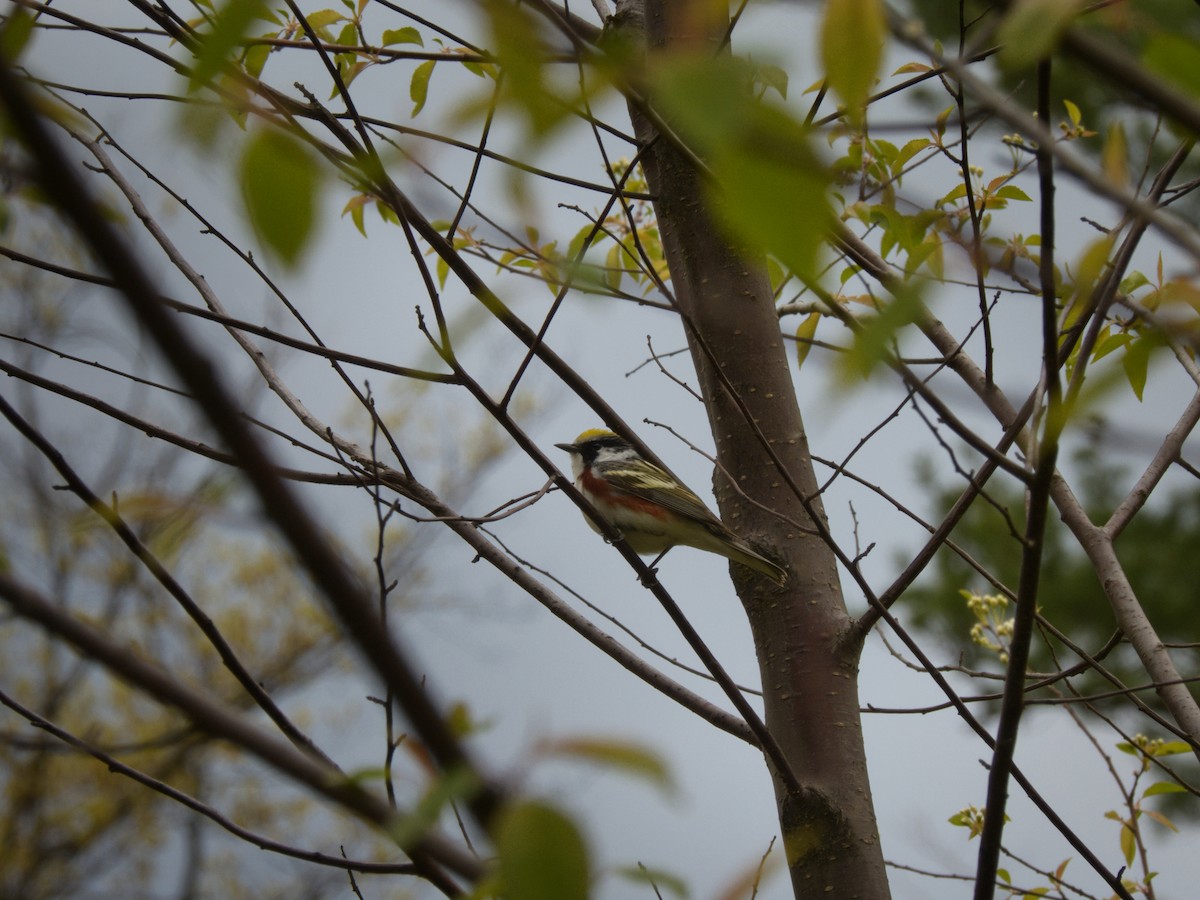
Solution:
(428, 854)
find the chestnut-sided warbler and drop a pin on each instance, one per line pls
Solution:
(652, 510)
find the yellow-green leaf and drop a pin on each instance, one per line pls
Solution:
(1012, 192)
(853, 34)
(1160, 819)
(447, 788)
(1115, 156)
(15, 33)
(773, 77)
(1073, 113)
(354, 206)
(406, 35)
(324, 18)
(1173, 748)
(805, 332)
(873, 341)
(418, 88)
(1136, 363)
(1164, 787)
(623, 755)
(280, 181)
(255, 58)
(216, 48)
(1031, 30)
(518, 45)
(1088, 269)
(907, 152)
(1128, 844)
(612, 267)
(958, 192)
(1176, 58)
(769, 187)
(542, 855)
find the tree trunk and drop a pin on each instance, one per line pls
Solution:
(809, 671)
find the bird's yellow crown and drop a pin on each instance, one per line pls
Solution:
(593, 433)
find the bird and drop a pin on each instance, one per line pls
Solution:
(651, 508)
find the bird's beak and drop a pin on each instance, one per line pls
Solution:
(570, 448)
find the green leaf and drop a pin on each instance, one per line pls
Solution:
(320, 20)
(929, 251)
(958, 192)
(1031, 31)
(348, 36)
(612, 264)
(1136, 363)
(355, 206)
(1128, 844)
(1073, 113)
(1108, 341)
(459, 718)
(480, 70)
(280, 181)
(1133, 281)
(1136, 360)
(216, 48)
(406, 35)
(769, 187)
(450, 787)
(935, 262)
(1160, 819)
(1012, 192)
(853, 35)
(1088, 269)
(15, 33)
(1114, 158)
(1173, 748)
(576, 246)
(418, 88)
(386, 213)
(542, 855)
(907, 152)
(873, 341)
(776, 274)
(255, 59)
(773, 77)
(628, 757)
(1175, 58)
(805, 332)
(518, 47)
(349, 73)
(776, 203)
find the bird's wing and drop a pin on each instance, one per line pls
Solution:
(648, 486)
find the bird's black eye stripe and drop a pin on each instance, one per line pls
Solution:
(591, 449)
(611, 443)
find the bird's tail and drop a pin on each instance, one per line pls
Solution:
(740, 552)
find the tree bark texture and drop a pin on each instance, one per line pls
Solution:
(808, 667)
